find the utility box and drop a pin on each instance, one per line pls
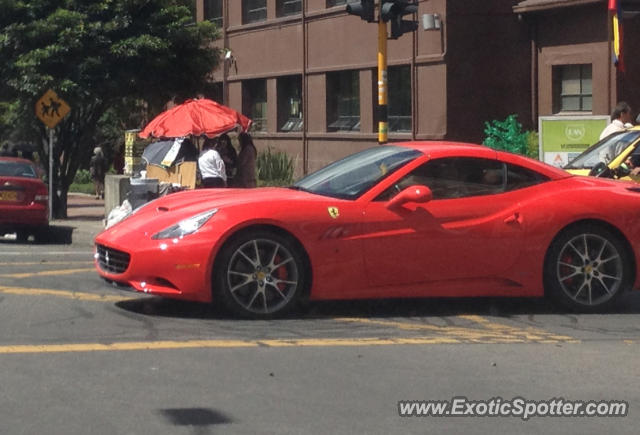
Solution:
(142, 190)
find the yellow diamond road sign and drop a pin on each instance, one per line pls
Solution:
(50, 108)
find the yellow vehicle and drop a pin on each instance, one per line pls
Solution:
(610, 157)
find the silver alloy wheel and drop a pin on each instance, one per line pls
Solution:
(262, 276)
(590, 269)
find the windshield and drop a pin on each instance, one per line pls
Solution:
(604, 151)
(352, 176)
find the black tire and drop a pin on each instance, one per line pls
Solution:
(587, 268)
(22, 236)
(260, 274)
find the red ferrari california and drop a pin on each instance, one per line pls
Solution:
(421, 219)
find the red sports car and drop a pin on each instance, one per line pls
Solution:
(23, 199)
(410, 220)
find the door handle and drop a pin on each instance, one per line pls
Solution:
(514, 218)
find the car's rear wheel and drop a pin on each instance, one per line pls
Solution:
(260, 274)
(588, 267)
(22, 236)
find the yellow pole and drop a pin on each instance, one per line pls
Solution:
(383, 124)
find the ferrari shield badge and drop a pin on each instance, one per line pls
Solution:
(334, 212)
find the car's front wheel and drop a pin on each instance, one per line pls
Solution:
(587, 268)
(260, 274)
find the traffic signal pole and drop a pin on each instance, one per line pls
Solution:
(393, 11)
(383, 113)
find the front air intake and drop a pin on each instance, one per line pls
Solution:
(112, 260)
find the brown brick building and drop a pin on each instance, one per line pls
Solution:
(306, 72)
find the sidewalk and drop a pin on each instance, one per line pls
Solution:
(85, 214)
(83, 207)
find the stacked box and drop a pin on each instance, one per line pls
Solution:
(133, 148)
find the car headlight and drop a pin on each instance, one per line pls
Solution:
(186, 226)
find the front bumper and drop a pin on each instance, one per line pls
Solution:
(178, 268)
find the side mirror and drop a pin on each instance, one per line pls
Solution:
(416, 193)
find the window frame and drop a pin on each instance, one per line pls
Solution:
(585, 75)
(247, 13)
(287, 120)
(398, 118)
(210, 7)
(281, 6)
(339, 119)
(252, 90)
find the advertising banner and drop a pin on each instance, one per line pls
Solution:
(561, 138)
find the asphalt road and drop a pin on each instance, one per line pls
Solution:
(78, 356)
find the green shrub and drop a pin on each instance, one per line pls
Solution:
(88, 188)
(506, 135)
(275, 168)
(82, 177)
(533, 146)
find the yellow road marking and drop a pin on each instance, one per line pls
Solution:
(61, 294)
(46, 273)
(43, 263)
(490, 331)
(208, 344)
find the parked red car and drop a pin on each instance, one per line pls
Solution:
(23, 199)
(421, 219)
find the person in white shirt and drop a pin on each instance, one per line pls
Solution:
(211, 166)
(621, 117)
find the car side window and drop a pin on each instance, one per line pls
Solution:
(519, 177)
(455, 177)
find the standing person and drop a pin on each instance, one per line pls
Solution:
(97, 170)
(621, 117)
(211, 166)
(246, 175)
(228, 154)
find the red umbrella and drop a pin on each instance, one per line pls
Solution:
(196, 117)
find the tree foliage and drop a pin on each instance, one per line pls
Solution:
(105, 58)
(506, 135)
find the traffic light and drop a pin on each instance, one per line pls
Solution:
(365, 9)
(393, 11)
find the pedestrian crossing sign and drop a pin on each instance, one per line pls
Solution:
(50, 109)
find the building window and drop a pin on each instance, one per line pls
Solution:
(213, 11)
(254, 10)
(399, 99)
(288, 7)
(254, 103)
(194, 12)
(290, 103)
(332, 3)
(343, 101)
(572, 88)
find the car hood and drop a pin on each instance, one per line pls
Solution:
(170, 209)
(194, 201)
